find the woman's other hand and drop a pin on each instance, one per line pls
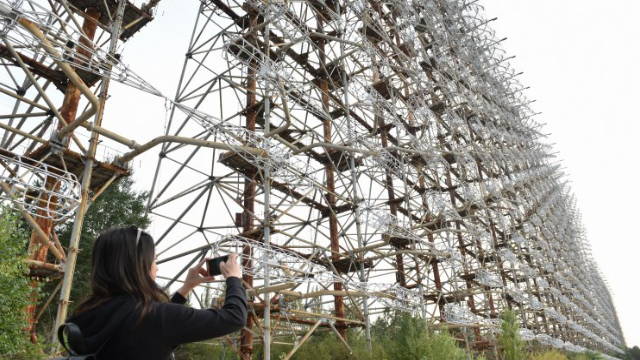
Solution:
(230, 268)
(195, 276)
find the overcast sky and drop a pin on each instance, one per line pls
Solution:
(582, 62)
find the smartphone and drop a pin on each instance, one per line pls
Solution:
(213, 265)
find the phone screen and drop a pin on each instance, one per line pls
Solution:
(213, 265)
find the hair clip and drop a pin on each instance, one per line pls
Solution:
(138, 236)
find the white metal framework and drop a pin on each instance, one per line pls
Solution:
(359, 155)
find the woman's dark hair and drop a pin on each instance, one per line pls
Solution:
(120, 266)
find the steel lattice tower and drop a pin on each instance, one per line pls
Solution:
(360, 155)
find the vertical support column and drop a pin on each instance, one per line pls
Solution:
(86, 176)
(248, 195)
(267, 244)
(69, 109)
(399, 260)
(463, 250)
(331, 186)
(393, 205)
(267, 210)
(436, 272)
(491, 312)
(71, 100)
(354, 184)
(38, 251)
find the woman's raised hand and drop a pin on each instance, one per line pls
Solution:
(195, 276)
(231, 268)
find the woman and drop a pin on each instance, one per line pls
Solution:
(129, 313)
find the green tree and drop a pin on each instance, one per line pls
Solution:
(405, 337)
(513, 346)
(17, 292)
(402, 336)
(632, 353)
(321, 345)
(442, 345)
(118, 205)
(587, 355)
(549, 355)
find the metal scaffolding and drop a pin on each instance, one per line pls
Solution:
(359, 155)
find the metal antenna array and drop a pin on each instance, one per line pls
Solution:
(417, 163)
(359, 155)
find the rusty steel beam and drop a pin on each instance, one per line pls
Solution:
(68, 111)
(248, 195)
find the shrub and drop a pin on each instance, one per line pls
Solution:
(404, 337)
(550, 355)
(443, 346)
(588, 355)
(321, 345)
(17, 292)
(513, 346)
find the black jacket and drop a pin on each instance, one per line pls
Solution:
(162, 329)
